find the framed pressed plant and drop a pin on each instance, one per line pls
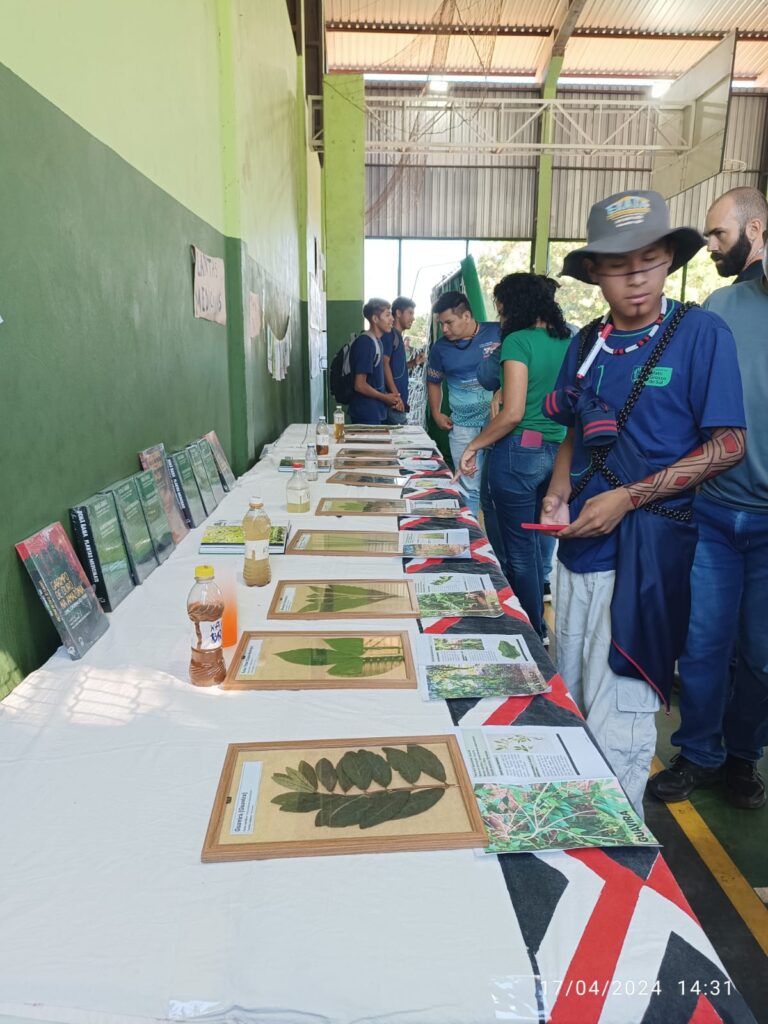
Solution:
(367, 479)
(364, 454)
(267, 660)
(323, 797)
(362, 507)
(387, 464)
(343, 543)
(346, 599)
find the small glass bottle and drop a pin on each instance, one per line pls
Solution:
(205, 607)
(338, 424)
(323, 437)
(256, 529)
(297, 491)
(310, 462)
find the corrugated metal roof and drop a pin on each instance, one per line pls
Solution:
(616, 54)
(462, 197)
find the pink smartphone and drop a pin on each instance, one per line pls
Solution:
(545, 527)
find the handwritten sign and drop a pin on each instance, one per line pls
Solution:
(210, 302)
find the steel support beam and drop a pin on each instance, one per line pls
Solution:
(544, 183)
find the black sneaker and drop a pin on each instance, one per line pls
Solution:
(681, 778)
(744, 784)
(547, 594)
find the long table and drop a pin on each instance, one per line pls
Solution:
(110, 766)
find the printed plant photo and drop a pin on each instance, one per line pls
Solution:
(347, 599)
(342, 796)
(483, 680)
(298, 661)
(484, 603)
(563, 815)
(481, 666)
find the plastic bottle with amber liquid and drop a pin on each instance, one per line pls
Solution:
(205, 607)
(338, 424)
(297, 490)
(256, 527)
(323, 437)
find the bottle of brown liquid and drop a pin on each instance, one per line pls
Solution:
(256, 528)
(338, 424)
(322, 437)
(205, 607)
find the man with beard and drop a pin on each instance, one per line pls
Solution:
(734, 232)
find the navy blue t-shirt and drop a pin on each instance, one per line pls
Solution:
(393, 347)
(366, 357)
(695, 387)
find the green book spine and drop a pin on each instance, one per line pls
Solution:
(206, 453)
(97, 531)
(154, 513)
(185, 488)
(201, 478)
(133, 524)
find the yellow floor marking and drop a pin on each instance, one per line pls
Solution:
(735, 886)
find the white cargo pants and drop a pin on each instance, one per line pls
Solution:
(619, 710)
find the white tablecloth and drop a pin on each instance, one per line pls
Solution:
(110, 765)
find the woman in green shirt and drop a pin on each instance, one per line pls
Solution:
(522, 440)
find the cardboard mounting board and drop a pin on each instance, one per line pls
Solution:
(345, 543)
(385, 464)
(246, 824)
(260, 662)
(361, 454)
(389, 599)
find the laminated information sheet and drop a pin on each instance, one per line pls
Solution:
(479, 665)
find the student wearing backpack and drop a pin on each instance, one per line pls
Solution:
(370, 398)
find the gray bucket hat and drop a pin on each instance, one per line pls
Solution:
(627, 221)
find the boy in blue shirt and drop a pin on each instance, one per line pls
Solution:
(652, 397)
(455, 358)
(395, 357)
(371, 399)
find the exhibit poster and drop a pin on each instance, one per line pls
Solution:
(343, 543)
(477, 665)
(346, 599)
(343, 796)
(457, 594)
(435, 543)
(303, 661)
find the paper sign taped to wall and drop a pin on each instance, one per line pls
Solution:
(210, 301)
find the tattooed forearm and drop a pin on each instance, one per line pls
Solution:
(725, 449)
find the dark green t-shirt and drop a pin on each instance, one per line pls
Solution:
(543, 355)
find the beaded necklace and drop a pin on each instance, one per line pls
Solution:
(607, 328)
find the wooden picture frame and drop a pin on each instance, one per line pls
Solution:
(273, 670)
(355, 437)
(343, 543)
(336, 599)
(361, 454)
(383, 465)
(371, 507)
(381, 507)
(350, 478)
(257, 796)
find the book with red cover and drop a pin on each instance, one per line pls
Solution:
(64, 589)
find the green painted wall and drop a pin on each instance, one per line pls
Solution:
(142, 77)
(344, 204)
(135, 132)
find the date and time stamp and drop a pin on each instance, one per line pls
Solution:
(616, 987)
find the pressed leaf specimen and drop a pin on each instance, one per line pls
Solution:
(326, 788)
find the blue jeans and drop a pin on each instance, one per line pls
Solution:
(395, 418)
(518, 478)
(490, 518)
(724, 709)
(458, 439)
